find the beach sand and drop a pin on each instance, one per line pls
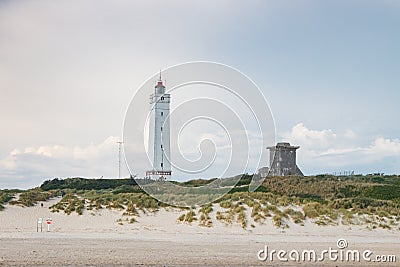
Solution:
(97, 239)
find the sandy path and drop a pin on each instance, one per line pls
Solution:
(165, 249)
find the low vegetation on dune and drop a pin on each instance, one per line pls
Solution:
(257, 207)
(372, 201)
(69, 203)
(188, 217)
(31, 197)
(6, 196)
(130, 204)
(205, 219)
(329, 187)
(85, 184)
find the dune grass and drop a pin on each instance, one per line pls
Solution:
(205, 219)
(5, 197)
(31, 197)
(188, 217)
(129, 203)
(373, 201)
(69, 203)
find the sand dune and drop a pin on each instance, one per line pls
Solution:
(98, 238)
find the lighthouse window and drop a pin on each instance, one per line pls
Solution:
(162, 165)
(162, 113)
(162, 98)
(161, 129)
(161, 146)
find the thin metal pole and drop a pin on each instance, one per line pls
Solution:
(119, 158)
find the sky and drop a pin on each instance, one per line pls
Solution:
(69, 69)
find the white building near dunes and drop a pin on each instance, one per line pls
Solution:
(159, 134)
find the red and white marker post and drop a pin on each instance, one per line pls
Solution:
(49, 221)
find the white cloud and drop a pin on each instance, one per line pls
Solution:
(320, 151)
(68, 70)
(326, 151)
(385, 147)
(32, 165)
(318, 139)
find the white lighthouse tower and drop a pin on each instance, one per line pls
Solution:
(159, 138)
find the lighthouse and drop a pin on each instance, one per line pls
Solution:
(159, 134)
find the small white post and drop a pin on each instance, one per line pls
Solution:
(39, 221)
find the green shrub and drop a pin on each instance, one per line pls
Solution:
(315, 209)
(124, 189)
(383, 192)
(86, 184)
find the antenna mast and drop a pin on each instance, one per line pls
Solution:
(119, 157)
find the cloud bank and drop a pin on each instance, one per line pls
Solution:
(324, 151)
(30, 166)
(321, 151)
